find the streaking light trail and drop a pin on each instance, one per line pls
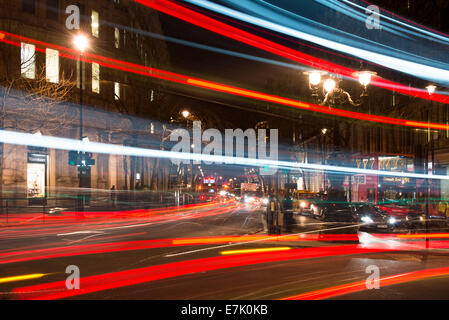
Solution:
(186, 80)
(361, 285)
(287, 23)
(208, 23)
(27, 139)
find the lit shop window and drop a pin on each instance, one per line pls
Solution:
(116, 91)
(117, 38)
(95, 24)
(28, 60)
(52, 65)
(95, 77)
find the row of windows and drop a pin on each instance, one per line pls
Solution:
(52, 9)
(28, 68)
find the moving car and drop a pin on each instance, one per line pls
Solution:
(302, 202)
(333, 206)
(390, 216)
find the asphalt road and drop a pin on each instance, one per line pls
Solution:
(202, 253)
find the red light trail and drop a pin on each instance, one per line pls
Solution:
(210, 24)
(361, 285)
(57, 290)
(218, 87)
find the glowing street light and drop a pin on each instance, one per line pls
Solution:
(81, 43)
(315, 78)
(365, 77)
(329, 85)
(185, 113)
(431, 89)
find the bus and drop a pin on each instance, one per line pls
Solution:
(377, 189)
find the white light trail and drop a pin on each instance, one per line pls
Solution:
(27, 139)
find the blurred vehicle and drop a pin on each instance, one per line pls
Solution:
(250, 193)
(391, 216)
(303, 200)
(334, 206)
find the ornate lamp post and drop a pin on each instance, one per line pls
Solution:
(326, 91)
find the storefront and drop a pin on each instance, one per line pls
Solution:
(37, 176)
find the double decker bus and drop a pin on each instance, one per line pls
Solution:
(377, 189)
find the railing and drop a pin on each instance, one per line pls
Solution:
(91, 201)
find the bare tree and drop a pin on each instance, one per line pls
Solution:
(30, 105)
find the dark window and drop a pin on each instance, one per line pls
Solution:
(29, 6)
(52, 9)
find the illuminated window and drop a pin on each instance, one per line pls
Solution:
(117, 38)
(52, 65)
(117, 91)
(28, 60)
(95, 77)
(95, 24)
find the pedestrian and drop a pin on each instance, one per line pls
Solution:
(271, 208)
(112, 195)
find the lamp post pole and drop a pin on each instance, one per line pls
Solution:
(430, 145)
(81, 93)
(81, 43)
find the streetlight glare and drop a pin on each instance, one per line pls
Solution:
(365, 78)
(431, 89)
(81, 43)
(314, 78)
(185, 114)
(329, 85)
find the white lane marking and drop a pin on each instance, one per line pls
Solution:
(79, 232)
(258, 240)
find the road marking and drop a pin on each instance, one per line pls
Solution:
(24, 277)
(254, 250)
(267, 238)
(79, 232)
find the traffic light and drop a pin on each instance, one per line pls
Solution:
(88, 158)
(81, 159)
(73, 158)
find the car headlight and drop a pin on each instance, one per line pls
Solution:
(392, 221)
(265, 201)
(303, 204)
(249, 199)
(312, 207)
(367, 219)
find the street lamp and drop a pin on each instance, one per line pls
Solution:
(185, 113)
(327, 92)
(431, 89)
(329, 85)
(81, 43)
(430, 145)
(333, 95)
